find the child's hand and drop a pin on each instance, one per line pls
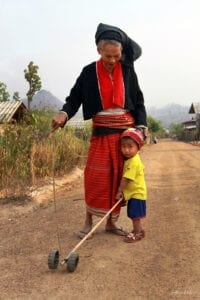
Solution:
(123, 202)
(119, 195)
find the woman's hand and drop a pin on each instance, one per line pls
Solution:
(58, 120)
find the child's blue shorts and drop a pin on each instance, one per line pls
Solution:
(136, 209)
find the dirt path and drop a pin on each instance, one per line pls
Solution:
(165, 265)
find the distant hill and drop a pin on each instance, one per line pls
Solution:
(171, 113)
(44, 99)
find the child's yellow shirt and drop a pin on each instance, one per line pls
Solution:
(134, 171)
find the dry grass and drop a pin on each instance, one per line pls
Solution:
(27, 159)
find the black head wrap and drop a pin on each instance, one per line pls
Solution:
(109, 35)
(131, 50)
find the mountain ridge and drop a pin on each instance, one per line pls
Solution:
(170, 113)
(44, 100)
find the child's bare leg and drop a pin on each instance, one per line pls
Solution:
(137, 228)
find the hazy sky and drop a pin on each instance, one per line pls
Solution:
(58, 36)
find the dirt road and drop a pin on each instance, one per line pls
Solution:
(164, 265)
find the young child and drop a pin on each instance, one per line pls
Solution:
(132, 186)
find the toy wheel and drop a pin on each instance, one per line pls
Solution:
(72, 262)
(53, 259)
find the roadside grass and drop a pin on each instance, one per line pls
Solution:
(29, 155)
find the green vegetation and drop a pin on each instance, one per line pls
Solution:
(16, 96)
(31, 75)
(176, 130)
(4, 95)
(155, 127)
(27, 153)
(35, 84)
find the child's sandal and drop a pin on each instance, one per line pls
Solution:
(132, 237)
(141, 233)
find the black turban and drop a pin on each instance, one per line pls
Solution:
(131, 50)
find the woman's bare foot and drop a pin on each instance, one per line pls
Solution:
(82, 233)
(87, 227)
(112, 227)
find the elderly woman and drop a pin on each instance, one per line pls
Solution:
(110, 95)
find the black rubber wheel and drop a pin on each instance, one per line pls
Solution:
(53, 259)
(72, 262)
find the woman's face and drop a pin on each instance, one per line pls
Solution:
(110, 55)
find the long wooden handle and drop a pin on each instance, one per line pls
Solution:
(94, 228)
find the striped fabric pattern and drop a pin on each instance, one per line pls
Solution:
(102, 175)
(116, 121)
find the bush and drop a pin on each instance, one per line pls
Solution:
(28, 154)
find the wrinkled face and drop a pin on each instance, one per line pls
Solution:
(128, 147)
(110, 55)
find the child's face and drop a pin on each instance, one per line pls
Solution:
(128, 147)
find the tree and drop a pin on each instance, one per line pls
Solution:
(4, 95)
(16, 96)
(34, 81)
(153, 125)
(176, 130)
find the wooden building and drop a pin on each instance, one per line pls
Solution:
(192, 127)
(12, 111)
